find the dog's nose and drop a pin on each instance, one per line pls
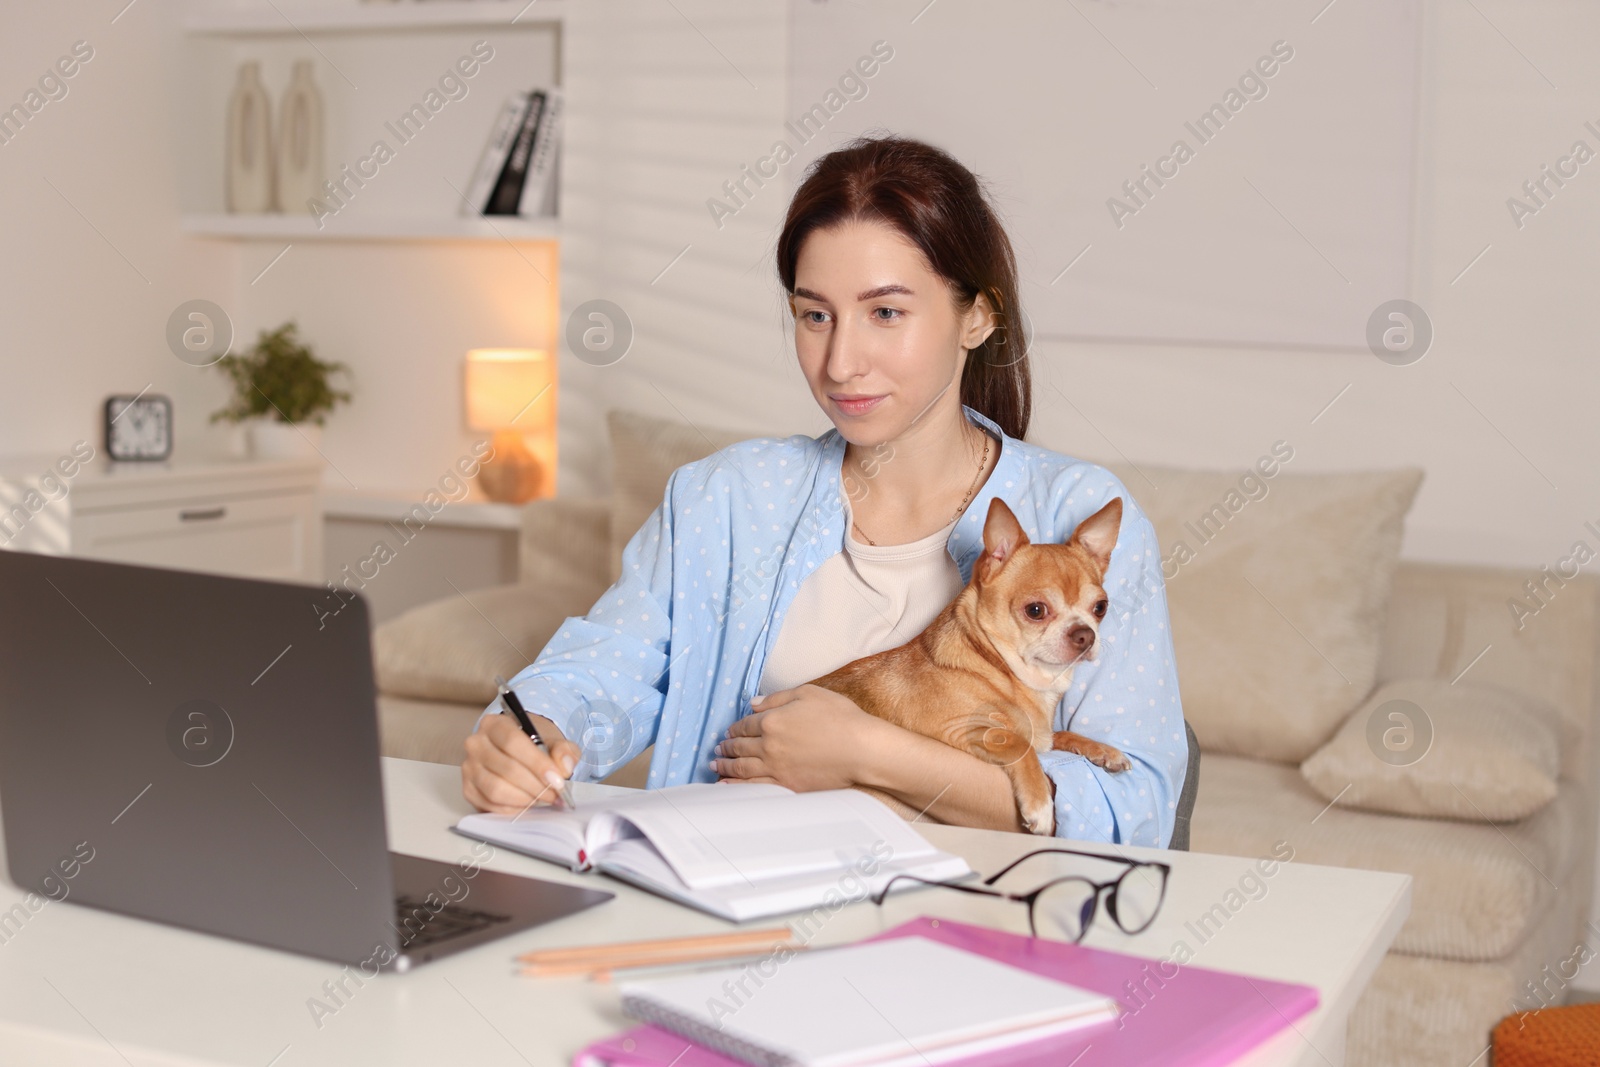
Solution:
(1080, 637)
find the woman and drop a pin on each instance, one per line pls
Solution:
(777, 560)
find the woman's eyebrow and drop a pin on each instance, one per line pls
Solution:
(869, 294)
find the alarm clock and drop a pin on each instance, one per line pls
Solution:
(138, 427)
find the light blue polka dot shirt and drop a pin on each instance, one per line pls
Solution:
(672, 653)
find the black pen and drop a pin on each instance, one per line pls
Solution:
(509, 698)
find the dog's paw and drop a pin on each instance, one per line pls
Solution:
(1097, 753)
(1112, 759)
(1040, 819)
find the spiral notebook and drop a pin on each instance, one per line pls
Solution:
(1195, 1018)
(903, 1002)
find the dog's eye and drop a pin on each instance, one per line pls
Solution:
(1100, 609)
(1037, 610)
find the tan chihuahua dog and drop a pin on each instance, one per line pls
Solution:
(986, 675)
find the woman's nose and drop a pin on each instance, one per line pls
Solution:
(845, 354)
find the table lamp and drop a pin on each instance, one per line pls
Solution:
(511, 393)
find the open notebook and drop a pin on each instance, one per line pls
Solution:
(740, 851)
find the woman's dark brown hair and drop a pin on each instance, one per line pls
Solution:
(939, 206)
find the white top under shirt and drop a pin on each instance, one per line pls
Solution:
(865, 599)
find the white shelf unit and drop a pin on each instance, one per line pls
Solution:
(301, 228)
(341, 17)
(397, 505)
(373, 62)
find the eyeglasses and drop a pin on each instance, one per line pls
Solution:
(1062, 908)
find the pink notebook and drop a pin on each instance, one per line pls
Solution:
(1196, 1018)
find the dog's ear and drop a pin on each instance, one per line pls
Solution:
(1002, 536)
(1097, 535)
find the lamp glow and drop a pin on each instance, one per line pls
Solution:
(511, 393)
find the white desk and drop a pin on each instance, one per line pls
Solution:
(82, 986)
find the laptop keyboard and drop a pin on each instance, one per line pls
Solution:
(419, 924)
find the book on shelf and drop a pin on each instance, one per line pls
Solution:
(502, 138)
(506, 198)
(516, 172)
(539, 186)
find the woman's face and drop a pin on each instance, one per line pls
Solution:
(877, 332)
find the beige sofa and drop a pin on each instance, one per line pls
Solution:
(1495, 906)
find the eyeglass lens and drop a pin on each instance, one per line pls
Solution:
(1065, 908)
(1134, 902)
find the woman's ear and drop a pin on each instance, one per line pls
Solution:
(980, 322)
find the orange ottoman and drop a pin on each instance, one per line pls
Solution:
(1551, 1037)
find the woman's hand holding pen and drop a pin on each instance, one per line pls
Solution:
(506, 772)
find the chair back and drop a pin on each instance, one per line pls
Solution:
(1191, 788)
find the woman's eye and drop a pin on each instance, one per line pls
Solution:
(815, 322)
(1036, 610)
(1099, 609)
(895, 312)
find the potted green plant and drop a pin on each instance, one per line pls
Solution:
(281, 392)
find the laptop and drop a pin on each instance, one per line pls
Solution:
(202, 751)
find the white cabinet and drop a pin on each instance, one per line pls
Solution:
(466, 545)
(256, 519)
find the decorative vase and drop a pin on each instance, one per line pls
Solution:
(512, 474)
(299, 146)
(249, 183)
(272, 439)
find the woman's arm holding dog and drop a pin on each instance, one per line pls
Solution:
(941, 781)
(810, 738)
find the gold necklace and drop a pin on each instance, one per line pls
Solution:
(982, 463)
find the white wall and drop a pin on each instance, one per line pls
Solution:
(666, 103)
(86, 296)
(1503, 406)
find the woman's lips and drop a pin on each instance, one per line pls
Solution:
(857, 407)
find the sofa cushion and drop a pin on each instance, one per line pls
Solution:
(451, 649)
(1478, 887)
(645, 450)
(1469, 623)
(563, 536)
(1422, 746)
(1276, 587)
(427, 730)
